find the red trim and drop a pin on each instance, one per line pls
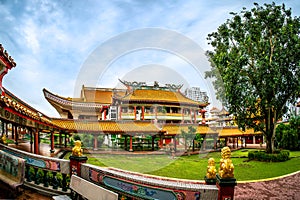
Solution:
(23, 116)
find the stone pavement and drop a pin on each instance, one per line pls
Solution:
(286, 187)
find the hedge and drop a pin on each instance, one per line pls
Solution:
(277, 156)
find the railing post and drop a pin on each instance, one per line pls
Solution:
(75, 164)
(64, 182)
(54, 181)
(45, 178)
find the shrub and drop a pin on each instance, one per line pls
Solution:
(277, 156)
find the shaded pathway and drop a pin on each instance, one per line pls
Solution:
(282, 188)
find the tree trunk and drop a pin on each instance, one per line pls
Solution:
(270, 141)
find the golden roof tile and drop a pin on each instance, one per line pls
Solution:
(147, 95)
(114, 127)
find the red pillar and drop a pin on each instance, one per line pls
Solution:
(203, 116)
(104, 113)
(161, 142)
(130, 144)
(36, 141)
(143, 112)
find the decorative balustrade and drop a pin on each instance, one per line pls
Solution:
(141, 186)
(50, 175)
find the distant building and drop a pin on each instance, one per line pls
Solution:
(196, 94)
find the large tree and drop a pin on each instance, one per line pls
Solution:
(255, 63)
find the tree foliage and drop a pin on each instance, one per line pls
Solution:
(255, 62)
(288, 135)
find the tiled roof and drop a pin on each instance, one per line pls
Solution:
(235, 131)
(173, 129)
(69, 102)
(222, 132)
(97, 95)
(144, 95)
(114, 127)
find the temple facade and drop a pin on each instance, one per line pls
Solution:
(162, 104)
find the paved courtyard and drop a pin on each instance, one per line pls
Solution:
(282, 188)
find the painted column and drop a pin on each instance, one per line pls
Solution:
(203, 116)
(95, 142)
(36, 141)
(254, 142)
(104, 115)
(130, 144)
(161, 142)
(143, 112)
(52, 142)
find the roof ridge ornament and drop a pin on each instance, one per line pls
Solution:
(142, 85)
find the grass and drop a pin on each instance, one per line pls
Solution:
(194, 166)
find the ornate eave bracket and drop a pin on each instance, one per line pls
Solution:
(6, 63)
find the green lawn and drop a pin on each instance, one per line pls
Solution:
(194, 166)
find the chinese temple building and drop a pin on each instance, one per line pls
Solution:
(150, 115)
(139, 110)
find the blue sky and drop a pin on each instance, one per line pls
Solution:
(52, 42)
